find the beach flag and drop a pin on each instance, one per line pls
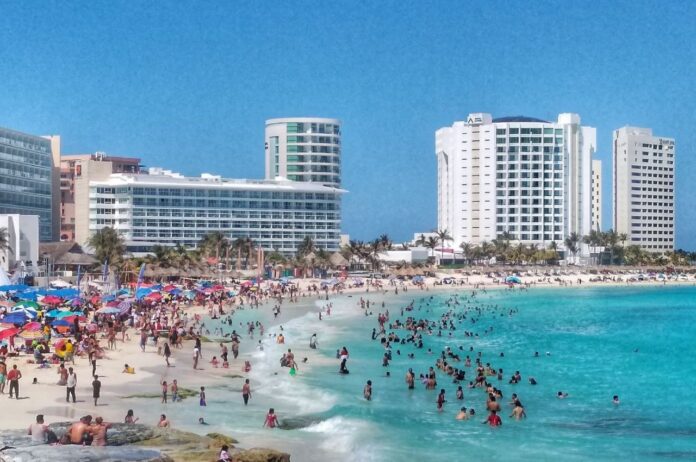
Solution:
(141, 276)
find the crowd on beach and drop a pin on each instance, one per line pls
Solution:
(173, 317)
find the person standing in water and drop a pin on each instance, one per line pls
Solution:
(441, 400)
(246, 392)
(271, 419)
(202, 396)
(367, 391)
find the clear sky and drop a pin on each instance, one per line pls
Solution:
(188, 85)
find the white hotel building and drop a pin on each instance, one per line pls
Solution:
(644, 188)
(525, 176)
(165, 208)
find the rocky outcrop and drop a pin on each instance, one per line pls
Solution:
(135, 443)
(261, 455)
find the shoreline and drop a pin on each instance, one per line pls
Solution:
(46, 397)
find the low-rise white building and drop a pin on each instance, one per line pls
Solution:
(165, 208)
(22, 241)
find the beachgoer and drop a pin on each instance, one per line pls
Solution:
(615, 400)
(493, 419)
(367, 391)
(271, 419)
(246, 391)
(163, 422)
(441, 400)
(130, 418)
(202, 397)
(128, 369)
(224, 455)
(13, 377)
(175, 391)
(518, 411)
(462, 415)
(96, 389)
(98, 431)
(38, 430)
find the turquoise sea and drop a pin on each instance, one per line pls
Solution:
(638, 343)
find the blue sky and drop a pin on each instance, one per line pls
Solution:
(188, 85)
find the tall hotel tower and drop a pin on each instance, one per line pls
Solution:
(644, 188)
(304, 149)
(524, 176)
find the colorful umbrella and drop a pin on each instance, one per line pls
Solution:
(76, 302)
(28, 312)
(30, 335)
(61, 323)
(52, 300)
(72, 318)
(154, 296)
(32, 326)
(27, 304)
(7, 333)
(15, 318)
(109, 310)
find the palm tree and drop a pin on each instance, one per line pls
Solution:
(385, 242)
(467, 251)
(108, 245)
(611, 239)
(431, 243)
(444, 237)
(571, 243)
(306, 246)
(553, 249)
(213, 242)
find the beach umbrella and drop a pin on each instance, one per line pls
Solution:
(95, 300)
(154, 296)
(29, 312)
(112, 304)
(7, 333)
(30, 334)
(76, 302)
(15, 318)
(109, 310)
(108, 298)
(513, 280)
(27, 304)
(169, 288)
(61, 323)
(32, 326)
(52, 300)
(72, 318)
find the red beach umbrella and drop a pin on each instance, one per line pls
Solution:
(7, 333)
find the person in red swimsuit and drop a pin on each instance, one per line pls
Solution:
(493, 419)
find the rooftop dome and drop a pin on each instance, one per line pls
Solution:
(519, 119)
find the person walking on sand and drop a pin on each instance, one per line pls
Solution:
(70, 385)
(196, 356)
(167, 353)
(246, 392)
(13, 377)
(96, 389)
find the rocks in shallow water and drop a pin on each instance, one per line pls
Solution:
(74, 453)
(261, 455)
(133, 443)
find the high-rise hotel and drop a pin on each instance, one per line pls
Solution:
(524, 176)
(643, 180)
(305, 149)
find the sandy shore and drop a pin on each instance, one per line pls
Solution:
(48, 398)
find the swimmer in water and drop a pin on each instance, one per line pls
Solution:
(615, 400)
(518, 412)
(367, 391)
(561, 395)
(462, 415)
(441, 400)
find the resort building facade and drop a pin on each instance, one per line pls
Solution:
(643, 192)
(522, 176)
(596, 194)
(28, 178)
(165, 208)
(75, 172)
(304, 149)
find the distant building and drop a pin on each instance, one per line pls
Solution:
(306, 149)
(28, 178)
(643, 192)
(518, 175)
(75, 171)
(22, 240)
(596, 194)
(165, 208)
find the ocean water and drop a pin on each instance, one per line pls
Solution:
(638, 343)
